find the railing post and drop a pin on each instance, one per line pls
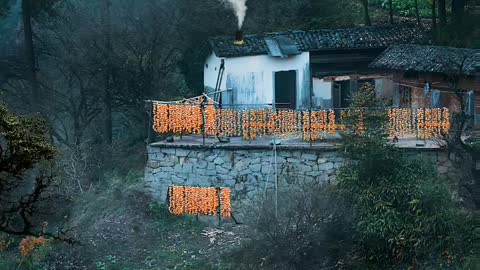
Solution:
(202, 107)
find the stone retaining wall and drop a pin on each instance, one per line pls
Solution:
(248, 172)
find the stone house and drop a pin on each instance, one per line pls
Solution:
(445, 70)
(301, 69)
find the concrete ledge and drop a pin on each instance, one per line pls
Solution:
(226, 146)
(196, 142)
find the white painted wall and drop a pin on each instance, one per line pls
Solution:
(210, 71)
(322, 94)
(258, 71)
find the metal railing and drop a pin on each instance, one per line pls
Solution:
(309, 125)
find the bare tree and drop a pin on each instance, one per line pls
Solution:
(30, 53)
(417, 12)
(458, 10)
(366, 13)
(442, 12)
(390, 9)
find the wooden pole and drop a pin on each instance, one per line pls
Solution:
(150, 130)
(202, 106)
(310, 105)
(219, 211)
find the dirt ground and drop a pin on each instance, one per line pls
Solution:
(125, 229)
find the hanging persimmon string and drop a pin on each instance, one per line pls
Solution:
(187, 118)
(424, 123)
(205, 201)
(226, 207)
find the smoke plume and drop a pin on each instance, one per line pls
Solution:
(240, 9)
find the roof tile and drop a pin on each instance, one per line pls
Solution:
(435, 59)
(327, 39)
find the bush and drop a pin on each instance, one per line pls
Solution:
(403, 212)
(309, 232)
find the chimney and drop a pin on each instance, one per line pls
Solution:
(239, 38)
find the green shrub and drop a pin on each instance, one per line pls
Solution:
(403, 211)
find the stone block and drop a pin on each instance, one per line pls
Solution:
(302, 169)
(201, 164)
(229, 182)
(313, 173)
(285, 154)
(167, 169)
(240, 166)
(187, 167)
(256, 161)
(153, 150)
(252, 179)
(153, 164)
(245, 172)
(168, 151)
(326, 166)
(201, 172)
(210, 158)
(211, 166)
(211, 172)
(246, 161)
(173, 159)
(219, 161)
(266, 169)
(178, 168)
(182, 152)
(239, 186)
(227, 165)
(166, 164)
(162, 176)
(177, 180)
(310, 163)
(221, 170)
(309, 156)
(322, 160)
(251, 188)
(255, 167)
(293, 160)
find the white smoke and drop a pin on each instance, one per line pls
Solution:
(240, 9)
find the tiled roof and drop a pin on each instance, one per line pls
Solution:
(434, 59)
(328, 39)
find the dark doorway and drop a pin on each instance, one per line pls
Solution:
(341, 93)
(286, 89)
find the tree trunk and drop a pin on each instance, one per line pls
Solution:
(458, 10)
(107, 96)
(390, 4)
(417, 12)
(442, 12)
(434, 16)
(30, 54)
(366, 14)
